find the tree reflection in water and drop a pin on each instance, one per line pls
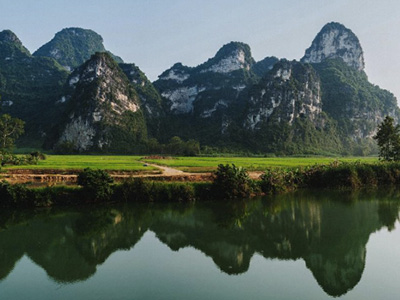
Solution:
(329, 231)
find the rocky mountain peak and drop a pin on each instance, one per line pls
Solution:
(11, 42)
(71, 47)
(105, 108)
(99, 65)
(231, 57)
(9, 37)
(336, 41)
(177, 72)
(109, 79)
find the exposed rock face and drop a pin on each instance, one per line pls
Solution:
(71, 47)
(336, 41)
(200, 101)
(150, 99)
(185, 87)
(104, 107)
(178, 73)
(290, 91)
(234, 61)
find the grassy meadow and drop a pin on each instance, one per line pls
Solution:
(187, 164)
(79, 162)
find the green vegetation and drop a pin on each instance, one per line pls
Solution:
(10, 130)
(20, 160)
(352, 175)
(80, 162)
(231, 182)
(175, 146)
(208, 164)
(73, 46)
(347, 97)
(96, 184)
(30, 87)
(388, 139)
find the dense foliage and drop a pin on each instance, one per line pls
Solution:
(388, 139)
(30, 87)
(96, 184)
(335, 175)
(10, 130)
(353, 102)
(231, 182)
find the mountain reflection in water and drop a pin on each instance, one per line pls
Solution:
(330, 236)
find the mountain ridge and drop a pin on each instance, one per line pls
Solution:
(323, 103)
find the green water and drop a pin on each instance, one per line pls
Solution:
(307, 245)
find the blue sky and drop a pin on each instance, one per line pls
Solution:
(155, 34)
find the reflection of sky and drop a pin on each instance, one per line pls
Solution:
(381, 277)
(155, 34)
(150, 270)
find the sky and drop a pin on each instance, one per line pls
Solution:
(155, 34)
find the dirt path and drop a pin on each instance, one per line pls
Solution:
(167, 174)
(167, 171)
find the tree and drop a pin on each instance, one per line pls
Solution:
(96, 184)
(10, 130)
(231, 182)
(175, 146)
(388, 139)
(192, 148)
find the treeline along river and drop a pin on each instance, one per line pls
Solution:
(302, 245)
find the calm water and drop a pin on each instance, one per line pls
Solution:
(301, 246)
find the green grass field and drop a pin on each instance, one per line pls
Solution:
(188, 164)
(78, 162)
(206, 164)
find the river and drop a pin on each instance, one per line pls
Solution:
(304, 245)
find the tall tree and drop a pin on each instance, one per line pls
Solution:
(388, 139)
(10, 130)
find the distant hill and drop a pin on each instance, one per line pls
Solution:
(71, 47)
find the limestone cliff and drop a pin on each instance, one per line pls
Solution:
(104, 109)
(290, 91)
(221, 77)
(336, 41)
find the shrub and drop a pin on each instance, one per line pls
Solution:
(275, 181)
(39, 155)
(231, 182)
(17, 195)
(96, 184)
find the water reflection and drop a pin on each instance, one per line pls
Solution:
(330, 236)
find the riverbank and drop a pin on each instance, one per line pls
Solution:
(226, 184)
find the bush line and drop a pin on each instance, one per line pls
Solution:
(337, 175)
(229, 183)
